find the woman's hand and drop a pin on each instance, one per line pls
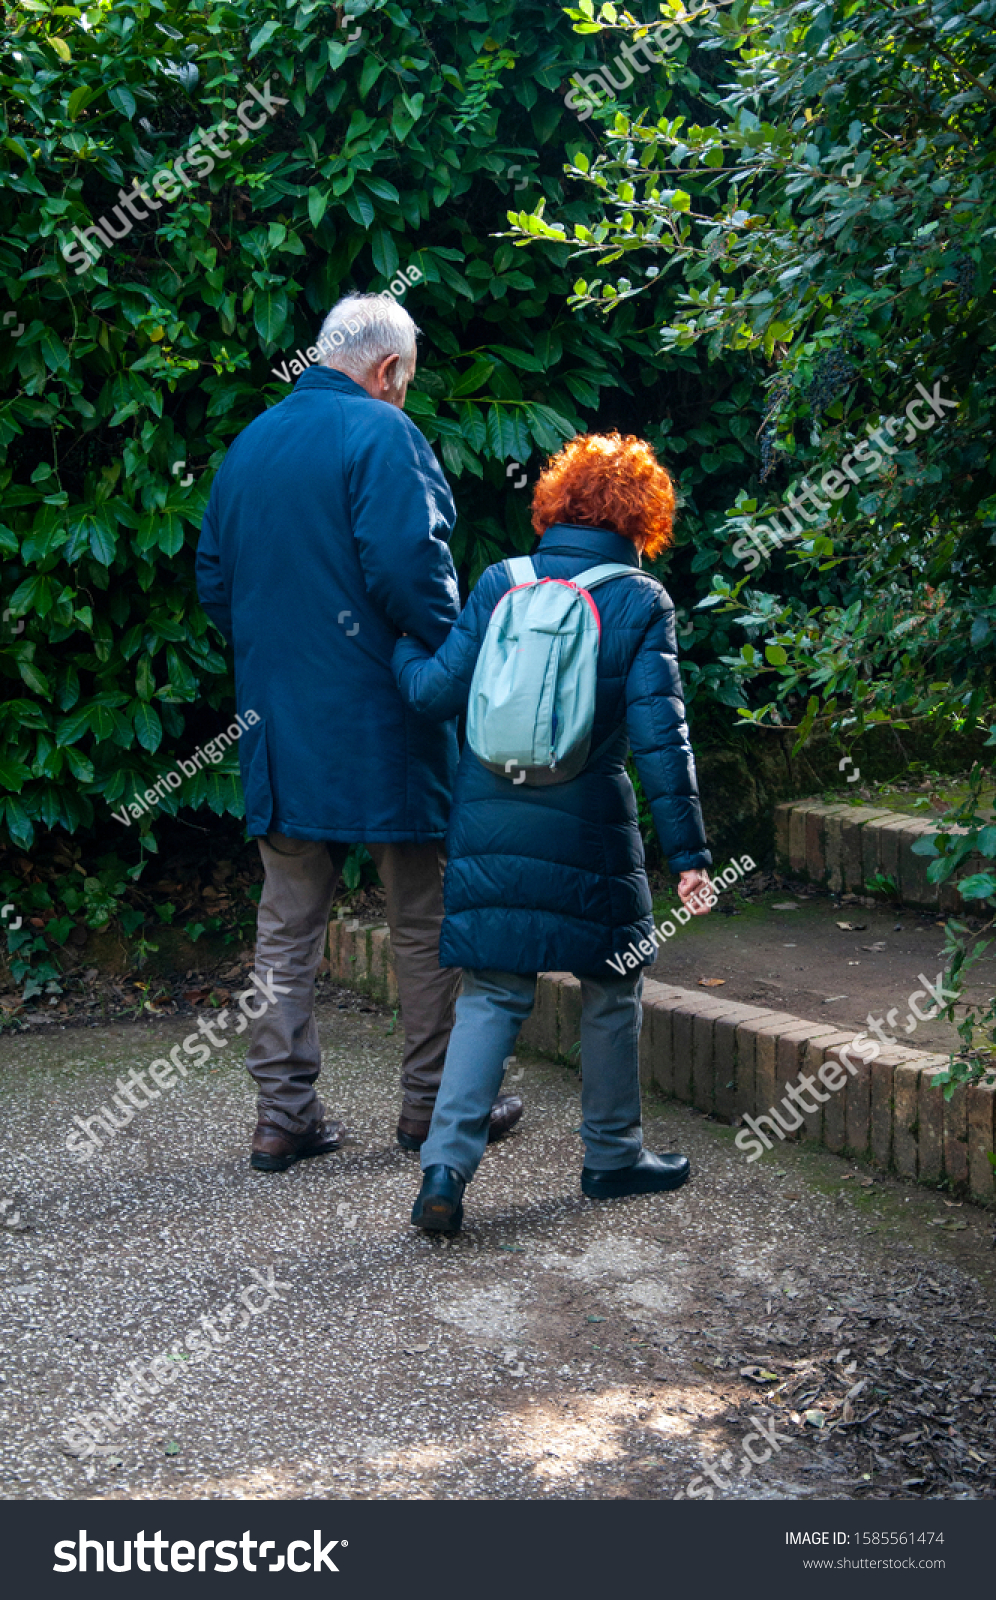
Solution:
(693, 890)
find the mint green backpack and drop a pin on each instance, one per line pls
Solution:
(532, 699)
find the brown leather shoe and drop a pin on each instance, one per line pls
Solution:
(505, 1113)
(412, 1134)
(274, 1149)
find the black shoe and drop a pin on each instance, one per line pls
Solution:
(649, 1174)
(439, 1207)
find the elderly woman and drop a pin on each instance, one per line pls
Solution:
(553, 878)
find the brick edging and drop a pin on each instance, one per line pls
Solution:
(841, 846)
(734, 1060)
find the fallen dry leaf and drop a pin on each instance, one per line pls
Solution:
(711, 983)
(758, 1375)
(853, 927)
(785, 905)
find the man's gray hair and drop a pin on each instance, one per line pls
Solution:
(361, 330)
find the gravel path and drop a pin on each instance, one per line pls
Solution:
(313, 1344)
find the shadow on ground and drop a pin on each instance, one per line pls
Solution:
(312, 1344)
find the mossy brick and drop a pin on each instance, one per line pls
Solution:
(856, 1094)
(652, 991)
(363, 949)
(834, 1111)
(818, 819)
(906, 1101)
(557, 983)
(705, 1086)
(729, 1101)
(956, 1137)
(882, 1079)
(569, 1018)
(915, 887)
(884, 1068)
(930, 1137)
(869, 842)
(890, 844)
(981, 1099)
(539, 1031)
(663, 1008)
(949, 900)
(683, 1018)
(656, 1059)
(383, 976)
(797, 835)
(344, 963)
(816, 1052)
(656, 1064)
(783, 818)
(834, 849)
(335, 951)
(703, 1062)
(816, 863)
(790, 1059)
(866, 850)
(766, 1039)
(746, 1036)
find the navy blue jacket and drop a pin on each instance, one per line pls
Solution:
(324, 539)
(553, 879)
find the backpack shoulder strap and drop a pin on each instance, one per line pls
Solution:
(601, 574)
(520, 570)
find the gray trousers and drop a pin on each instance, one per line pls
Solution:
(489, 1014)
(284, 1054)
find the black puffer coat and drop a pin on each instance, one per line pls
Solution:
(553, 878)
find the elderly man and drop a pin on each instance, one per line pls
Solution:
(324, 539)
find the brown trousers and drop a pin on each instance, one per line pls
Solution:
(284, 1054)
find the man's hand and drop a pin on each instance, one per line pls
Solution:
(693, 891)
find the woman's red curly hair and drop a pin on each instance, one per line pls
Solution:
(608, 480)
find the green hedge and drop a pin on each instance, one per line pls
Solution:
(124, 382)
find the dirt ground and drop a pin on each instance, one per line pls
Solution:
(841, 1322)
(803, 962)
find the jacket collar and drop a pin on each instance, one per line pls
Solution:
(328, 378)
(567, 539)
